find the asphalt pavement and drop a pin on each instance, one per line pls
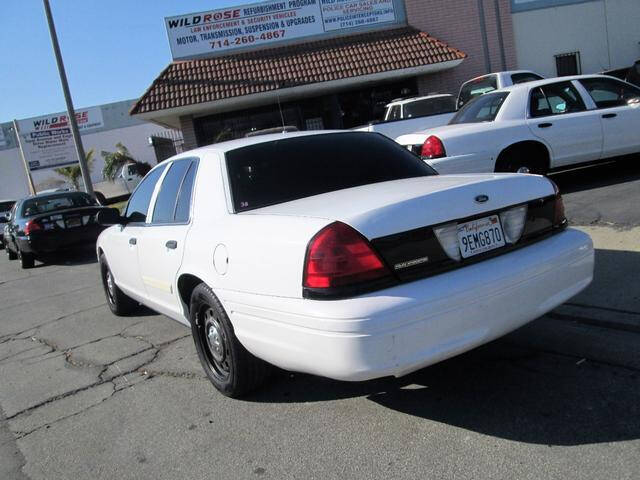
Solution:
(84, 394)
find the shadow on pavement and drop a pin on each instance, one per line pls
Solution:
(83, 256)
(616, 282)
(500, 390)
(531, 386)
(626, 169)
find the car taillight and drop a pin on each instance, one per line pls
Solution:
(31, 226)
(432, 148)
(559, 217)
(339, 256)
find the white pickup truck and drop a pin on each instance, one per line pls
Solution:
(493, 81)
(413, 114)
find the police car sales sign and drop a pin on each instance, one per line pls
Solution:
(221, 31)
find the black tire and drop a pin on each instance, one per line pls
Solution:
(27, 259)
(11, 255)
(119, 303)
(232, 369)
(102, 200)
(2, 245)
(519, 161)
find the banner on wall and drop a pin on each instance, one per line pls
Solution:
(47, 141)
(221, 31)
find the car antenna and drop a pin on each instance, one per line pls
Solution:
(284, 129)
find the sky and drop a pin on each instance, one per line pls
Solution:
(112, 51)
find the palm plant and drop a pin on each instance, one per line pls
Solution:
(114, 161)
(73, 173)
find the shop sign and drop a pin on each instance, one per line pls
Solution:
(47, 141)
(221, 31)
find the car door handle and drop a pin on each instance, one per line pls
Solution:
(609, 115)
(545, 125)
(172, 244)
(133, 241)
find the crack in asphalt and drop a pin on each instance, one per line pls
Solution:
(608, 309)
(621, 327)
(47, 297)
(16, 336)
(104, 368)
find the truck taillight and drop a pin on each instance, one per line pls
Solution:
(339, 256)
(432, 148)
(31, 226)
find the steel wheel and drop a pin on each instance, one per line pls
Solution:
(216, 343)
(111, 287)
(523, 169)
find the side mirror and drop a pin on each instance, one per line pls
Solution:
(110, 216)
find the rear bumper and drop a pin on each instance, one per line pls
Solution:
(410, 326)
(47, 242)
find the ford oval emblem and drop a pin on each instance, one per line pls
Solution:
(482, 198)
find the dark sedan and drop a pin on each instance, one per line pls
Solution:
(50, 222)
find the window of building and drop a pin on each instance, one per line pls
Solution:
(568, 64)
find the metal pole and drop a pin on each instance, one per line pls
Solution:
(84, 168)
(483, 33)
(503, 58)
(16, 130)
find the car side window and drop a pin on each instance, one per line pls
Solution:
(608, 93)
(394, 113)
(165, 207)
(183, 204)
(138, 205)
(555, 99)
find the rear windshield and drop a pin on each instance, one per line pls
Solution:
(6, 206)
(481, 109)
(429, 106)
(524, 77)
(292, 168)
(53, 203)
(475, 88)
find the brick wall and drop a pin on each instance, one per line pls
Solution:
(457, 23)
(188, 132)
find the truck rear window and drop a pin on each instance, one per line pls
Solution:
(283, 170)
(477, 87)
(430, 106)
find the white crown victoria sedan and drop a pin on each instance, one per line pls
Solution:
(338, 254)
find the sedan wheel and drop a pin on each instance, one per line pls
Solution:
(231, 368)
(11, 255)
(217, 344)
(119, 303)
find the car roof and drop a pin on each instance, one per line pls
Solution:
(223, 147)
(503, 72)
(416, 99)
(546, 81)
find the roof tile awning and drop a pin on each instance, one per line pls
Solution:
(190, 82)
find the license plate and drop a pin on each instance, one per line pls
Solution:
(479, 236)
(74, 222)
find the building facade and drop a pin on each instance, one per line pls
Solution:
(341, 81)
(565, 37)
